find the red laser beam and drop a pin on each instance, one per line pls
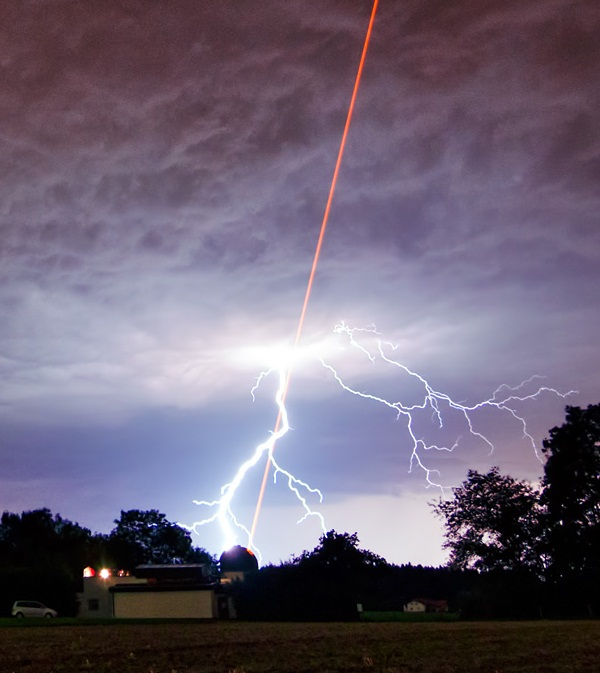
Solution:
(317, 254)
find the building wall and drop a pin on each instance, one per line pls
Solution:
(96, 600)
(198, 604)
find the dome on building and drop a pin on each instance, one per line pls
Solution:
(238, 559)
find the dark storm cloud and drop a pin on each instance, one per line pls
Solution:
(164, 168)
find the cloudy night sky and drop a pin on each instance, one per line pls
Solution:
(165, 167)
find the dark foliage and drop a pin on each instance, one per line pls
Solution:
(492, 523)
(571, 492)
(146, 536)
(538, 549)
(339, 551)
(571, 497)
(53, 586)
(38, 538)
(41, 558)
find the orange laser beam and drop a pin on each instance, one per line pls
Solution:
(317, 254)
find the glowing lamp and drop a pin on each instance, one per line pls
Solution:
(105, 573)
(89, 572)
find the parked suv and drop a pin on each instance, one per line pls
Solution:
(32, 609)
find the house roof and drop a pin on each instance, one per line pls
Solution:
(156, 588)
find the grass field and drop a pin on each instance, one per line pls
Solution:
(238, 647)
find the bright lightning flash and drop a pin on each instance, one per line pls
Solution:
(223, 511)
(368, 342)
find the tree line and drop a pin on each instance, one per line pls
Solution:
(516, 550)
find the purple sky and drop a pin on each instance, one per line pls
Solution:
(165, 166)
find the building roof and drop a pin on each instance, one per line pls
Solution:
(192, 572)
(156, 588)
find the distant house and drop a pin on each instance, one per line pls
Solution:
(154, 591)
(426, 605)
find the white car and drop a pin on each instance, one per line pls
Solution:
(32, 609)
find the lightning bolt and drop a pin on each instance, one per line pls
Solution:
(368, 342)
(222, 507)
(503, 399)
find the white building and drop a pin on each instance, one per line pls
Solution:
(154, 591)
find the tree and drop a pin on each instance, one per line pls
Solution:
(339, 551)
(148, 537)
(571, 494)
(42, 554)
(326, 583)
(492, 523)
(39, 538)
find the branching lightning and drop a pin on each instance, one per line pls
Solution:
(223, 511)
(368, 342)
(503, 399)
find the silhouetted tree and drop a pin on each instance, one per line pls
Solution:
(201, 555)
(42, 556)
(146, 536)
(492, 523)
(571, 496)
(337, 575)
(571, 491)
(497, 524)
(340, 552)
(39, 538)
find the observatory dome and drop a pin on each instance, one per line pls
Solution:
(238, 559)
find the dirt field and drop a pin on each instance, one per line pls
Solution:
(523, 647)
